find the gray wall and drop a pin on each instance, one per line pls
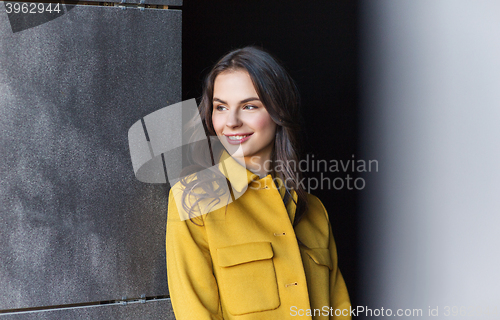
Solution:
(76, 226)
(150, 310)
(431, 112)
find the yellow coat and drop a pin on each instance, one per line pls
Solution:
(245, 263)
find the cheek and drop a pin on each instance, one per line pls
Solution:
(265, 125)
(217, 123)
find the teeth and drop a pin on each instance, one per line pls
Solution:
(237, 137)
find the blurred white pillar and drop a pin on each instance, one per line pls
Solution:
(430, 83)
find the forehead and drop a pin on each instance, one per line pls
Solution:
(233, 83)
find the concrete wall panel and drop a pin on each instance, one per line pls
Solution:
(75, 224)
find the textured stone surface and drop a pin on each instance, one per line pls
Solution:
(161, 2)
(75, 224)
(151, 310)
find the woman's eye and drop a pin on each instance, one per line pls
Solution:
(220, 108)
(250, 107)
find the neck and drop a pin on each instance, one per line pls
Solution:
(259, 165)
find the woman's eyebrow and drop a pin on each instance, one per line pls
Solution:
(242, 101)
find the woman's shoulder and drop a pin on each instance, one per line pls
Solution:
(316, 209)
(179, 201)
(197, 194)
(196, 183)
(315, 203)
(315, 231)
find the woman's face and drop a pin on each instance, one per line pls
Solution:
(241, 119)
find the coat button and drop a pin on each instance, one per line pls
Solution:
(279, 234)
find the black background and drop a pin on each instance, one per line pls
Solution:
(317, 42)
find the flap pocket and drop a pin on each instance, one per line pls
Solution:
(320, 256)
(242, 253)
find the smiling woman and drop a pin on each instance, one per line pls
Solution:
(244, 122)
(268, 250)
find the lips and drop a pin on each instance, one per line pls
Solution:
(238, 138)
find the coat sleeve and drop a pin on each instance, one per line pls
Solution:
(339, 297)
(193, 288)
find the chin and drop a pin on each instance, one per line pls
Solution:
(234, 150)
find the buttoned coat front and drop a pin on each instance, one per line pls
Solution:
(243, 261)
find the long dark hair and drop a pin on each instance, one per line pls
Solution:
(279, 94)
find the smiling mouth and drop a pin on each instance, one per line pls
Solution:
(237, 138)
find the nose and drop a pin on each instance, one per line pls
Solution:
(233, 119)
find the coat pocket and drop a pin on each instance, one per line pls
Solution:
(317, 267)
(320, 256)
(247, 278)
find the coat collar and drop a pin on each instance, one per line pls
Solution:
(238, 175)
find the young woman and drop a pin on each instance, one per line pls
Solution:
(252, 245)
